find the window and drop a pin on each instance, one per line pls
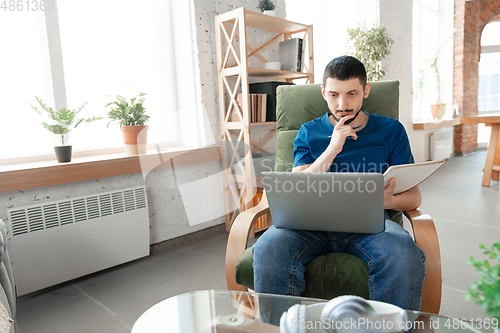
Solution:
(330, 20)
(489, 69)
(489, 88)
(489, 78)
(432, 37)
(23, 64)
(80, 52)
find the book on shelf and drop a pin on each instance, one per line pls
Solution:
(257, 108)
(260, 109)
(291, 54)
(263, 110)
(268, 88)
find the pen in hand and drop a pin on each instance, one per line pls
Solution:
(352, 128)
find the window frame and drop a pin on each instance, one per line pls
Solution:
(186, 112)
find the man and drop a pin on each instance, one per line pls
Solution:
(348, 140)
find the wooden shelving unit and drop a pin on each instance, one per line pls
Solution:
(233, 52)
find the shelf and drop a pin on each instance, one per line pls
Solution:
(233, 125)
(271, 23)
(267, 73)
(238, 125)
(264, 123)
(33, 175)
(264, 22)
(425, 125)
(232, 61)
(271, 73)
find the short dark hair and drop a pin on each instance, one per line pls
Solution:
(345, 68)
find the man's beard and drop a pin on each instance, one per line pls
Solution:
(347, 122)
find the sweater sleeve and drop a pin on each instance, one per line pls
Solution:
(301, 149)
(401, 152)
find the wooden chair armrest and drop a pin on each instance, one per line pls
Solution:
(238, 238)
(427, 240)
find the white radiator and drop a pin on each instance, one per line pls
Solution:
(61, 240)
(441, 145)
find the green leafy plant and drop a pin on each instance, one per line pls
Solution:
(423, 79)
(128, 114)
(370, 46)
(265, 5)
(65, 120)
(486, 291)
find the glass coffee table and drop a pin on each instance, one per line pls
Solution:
(229, 311)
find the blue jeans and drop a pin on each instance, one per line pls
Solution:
(396, 264)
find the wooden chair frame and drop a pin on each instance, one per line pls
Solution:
(424, 233)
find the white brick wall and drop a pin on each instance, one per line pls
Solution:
(396, 16)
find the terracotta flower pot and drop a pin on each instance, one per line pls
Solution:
(135, 139)
(434, 111)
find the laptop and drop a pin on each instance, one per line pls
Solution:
(326, 201)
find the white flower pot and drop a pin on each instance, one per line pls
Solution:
(270, 12)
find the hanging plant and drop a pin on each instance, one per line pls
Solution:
(370, 46)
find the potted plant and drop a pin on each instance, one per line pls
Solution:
(438, 109)
(486, 291)
(131, 118)
(267, 7)
(65, 121)
(370, 46)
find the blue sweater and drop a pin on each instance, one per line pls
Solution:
(381, 143)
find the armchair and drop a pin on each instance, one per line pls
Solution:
(334, 274)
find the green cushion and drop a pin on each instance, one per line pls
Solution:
(284, 144)
(336, 274)
(327, 276)
(243, 273)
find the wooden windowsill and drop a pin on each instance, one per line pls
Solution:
(32, 175)
(424, 125)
